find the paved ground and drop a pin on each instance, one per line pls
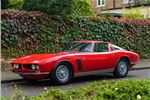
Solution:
(37, 87)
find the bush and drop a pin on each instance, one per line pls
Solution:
(4, 4)
(51, 7)
(133, 13)
(106, 15)
(72, 8)
(34, 32)
(13, 4)
(16, 4)
(144, 2)
(82, 8)
(100, 90)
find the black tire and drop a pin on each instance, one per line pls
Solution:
(121, 71)
(55, 75)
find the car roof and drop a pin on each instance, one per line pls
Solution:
(91, 41)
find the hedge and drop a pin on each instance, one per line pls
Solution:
(99, 90)
(34, 32)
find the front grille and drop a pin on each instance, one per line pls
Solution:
(27, 66)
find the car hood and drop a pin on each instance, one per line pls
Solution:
(36, 58)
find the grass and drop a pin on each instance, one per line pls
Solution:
(99, 90)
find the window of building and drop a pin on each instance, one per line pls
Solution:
(100, 3)
(126, 1)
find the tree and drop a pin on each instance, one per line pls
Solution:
(4, 4)
(16, 4)
(60, 7)
(134, 13)
(51, 7)
(82, 8)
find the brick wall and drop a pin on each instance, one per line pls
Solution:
(96, 10)
(119, 3)
(109, 4)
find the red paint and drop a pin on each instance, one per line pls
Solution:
(90, 60)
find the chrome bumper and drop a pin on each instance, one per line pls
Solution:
(35, 73)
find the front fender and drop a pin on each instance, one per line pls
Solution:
(48, 65)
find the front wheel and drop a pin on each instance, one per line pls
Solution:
(122, 68)
(61, 74)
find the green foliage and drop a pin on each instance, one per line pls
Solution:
(148, 1)
(105, 15)
(4, 4)
(100, 90)
(24, 33)
(13, 4)
(140, 2)
(51, 7)
(72, 8)
(82, 8)
(61, 7)
(133, 13)
(16, 4)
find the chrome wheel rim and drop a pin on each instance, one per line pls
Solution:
(62, 73)
(122, 66)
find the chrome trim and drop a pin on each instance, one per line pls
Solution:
(94, 72)
(35, 73)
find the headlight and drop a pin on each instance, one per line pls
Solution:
(34, 66)
(16, 66)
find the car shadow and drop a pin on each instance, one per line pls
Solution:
(75, 81)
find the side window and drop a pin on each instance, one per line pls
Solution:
(116, 47)
(86, 47)
(101, 47)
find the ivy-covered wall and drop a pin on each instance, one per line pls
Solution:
(34, 32)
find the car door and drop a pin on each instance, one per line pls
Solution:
(82, 57)
(101, 57)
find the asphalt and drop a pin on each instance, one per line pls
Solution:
(8, 76)
(35, 88)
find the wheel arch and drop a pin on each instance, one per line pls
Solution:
(64, 61)
(119, 74)
(127, 58)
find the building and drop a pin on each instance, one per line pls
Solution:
(115, 6)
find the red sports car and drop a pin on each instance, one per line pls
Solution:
(78, 56)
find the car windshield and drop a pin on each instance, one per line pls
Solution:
(78, 47)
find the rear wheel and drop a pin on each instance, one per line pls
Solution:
(61, 74)
(122, 68)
